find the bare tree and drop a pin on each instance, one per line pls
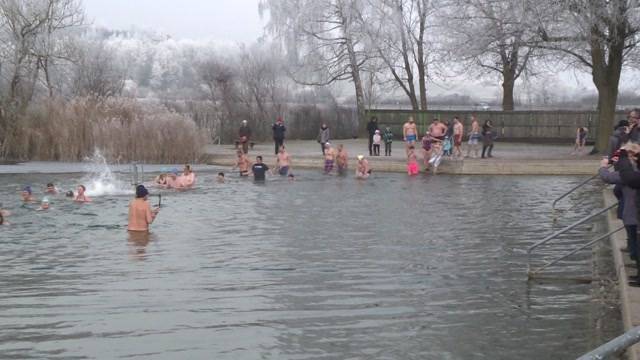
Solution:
(396, 31)
(494, 37)
(324, 41)
(97, 72)
(597, 36)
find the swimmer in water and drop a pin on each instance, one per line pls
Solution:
(242, 164)
(329, 158)
(342, 160)
(220, 178)
(27, 195)
(69, 194)
(362, 171)
(3, 215)
(187, 179)
(140, 213)
(283, 161)
(81, 197)
(51, 189)
(44, 205)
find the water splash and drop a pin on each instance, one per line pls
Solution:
(101, 180)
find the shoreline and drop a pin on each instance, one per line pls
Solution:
(493, 166)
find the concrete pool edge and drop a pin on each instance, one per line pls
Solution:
(629, 296)
(453, 167)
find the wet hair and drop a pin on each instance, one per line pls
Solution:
(412, 147)
(50, 185)
(69, 193)
(83, 187)
(188, 167)
(291, 176)
(221, 174)
(259, 157)
(141, 191)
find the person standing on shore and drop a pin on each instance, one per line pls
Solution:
(377, 139)
(140, 213)
(342, 160)
(244, 134)
(388, 140)
(458, 131)
(278, 133)
(581, 141)
(487, 138)
(409, 134)
(324, 135)
(474, 137)
(372, 127)
(283, 161)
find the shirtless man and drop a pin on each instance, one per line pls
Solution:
(283, 161)
(458, 131)
(27, 195)
(140, 213)
(187, 179)
(342, 160)
(329, 158)
(409, 133)
(426, 150)
(243, 164)
(437, 130)
(81, 197)
(363, 170)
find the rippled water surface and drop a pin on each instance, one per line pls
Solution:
(319, 268)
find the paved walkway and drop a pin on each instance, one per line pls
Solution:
(509, 158)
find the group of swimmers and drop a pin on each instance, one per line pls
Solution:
(337, 158)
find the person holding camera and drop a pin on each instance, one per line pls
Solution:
(620, 136)
(626, 165)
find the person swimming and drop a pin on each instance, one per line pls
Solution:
(27, 195)
(51, 189)
(220, 178)
(140, 213)
(69, 194)
(187, 179)
(3, 215)
(44, 205)
(81, 197)
(362, 171)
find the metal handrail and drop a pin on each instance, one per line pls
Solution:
(564, 230)
(614, 346)
(553, 205)
(555, 261)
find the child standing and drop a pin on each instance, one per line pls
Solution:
(388, 139)
(376, 143)
(412, 162)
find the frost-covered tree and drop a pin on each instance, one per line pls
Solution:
(599, 37)
(323, 39)
(493, 37)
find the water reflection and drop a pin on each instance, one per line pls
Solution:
(138, 241)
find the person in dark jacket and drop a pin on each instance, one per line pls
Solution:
(278, 133)
(324, 135)
(620, 136)
(487, 138)
(372, 126)
(626, 166)
(244, 134)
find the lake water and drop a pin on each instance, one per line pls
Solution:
(319, 268)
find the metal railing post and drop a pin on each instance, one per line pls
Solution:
(553, 205)
(614, 346)
(560, 232)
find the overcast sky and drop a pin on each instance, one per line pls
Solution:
(230, 20)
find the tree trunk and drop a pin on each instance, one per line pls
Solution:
(421, 63)
(357, 83)
(507, 94)
(607, 98)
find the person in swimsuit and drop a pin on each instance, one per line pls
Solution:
(362, 170)
(426, 150)
(140, 213)
(342, 160)
(458, 131)
(81, 197)
(329, 158)
(581, 140)
(242, 164)
(474, 137)
(412, 162)
(437, 130)
(283, 161)
(409, 133)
